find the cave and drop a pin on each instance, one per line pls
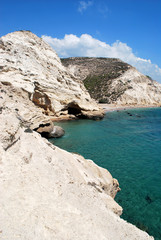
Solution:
(74, 109)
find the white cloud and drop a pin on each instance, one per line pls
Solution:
(87, 46)
(83, 5)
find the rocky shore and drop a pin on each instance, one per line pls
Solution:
(46, 192)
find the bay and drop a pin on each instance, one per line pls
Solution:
(128, 144)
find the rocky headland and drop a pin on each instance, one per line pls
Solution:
(112, 81)
(46, 192)
(27, 62)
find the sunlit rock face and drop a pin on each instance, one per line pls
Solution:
(48, 193)
(28, 63)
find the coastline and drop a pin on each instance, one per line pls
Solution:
(118, 126)
(105, 107)
(48, 186)
(114, 107)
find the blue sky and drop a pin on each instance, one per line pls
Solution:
(128, 29)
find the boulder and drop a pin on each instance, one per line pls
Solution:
(57, 132)
(95, 115)
(45, 127)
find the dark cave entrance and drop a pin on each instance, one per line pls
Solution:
(74, 109)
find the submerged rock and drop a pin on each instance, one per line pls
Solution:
(129, 114)
(148, 199)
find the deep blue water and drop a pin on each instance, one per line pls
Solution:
(130, 148)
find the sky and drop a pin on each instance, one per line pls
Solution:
(125, 29)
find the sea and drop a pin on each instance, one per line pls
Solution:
(128, 144)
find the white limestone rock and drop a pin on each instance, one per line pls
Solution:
(28, 63)
(140, 90)
(28, 114)
(48, 193)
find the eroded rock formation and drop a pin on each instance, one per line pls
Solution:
(28, 63)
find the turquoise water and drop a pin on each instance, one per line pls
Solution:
(130, 148)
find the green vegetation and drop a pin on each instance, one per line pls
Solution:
(149, 77)
(101, 73)
(91, 82)
(103, 100)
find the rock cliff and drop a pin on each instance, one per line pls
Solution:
(113, 81)
(48, 193)
(28, 63)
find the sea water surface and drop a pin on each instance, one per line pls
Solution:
(128, 144)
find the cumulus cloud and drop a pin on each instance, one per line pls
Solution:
(83, 5)
(87, 46)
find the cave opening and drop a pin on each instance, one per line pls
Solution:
(74, 109)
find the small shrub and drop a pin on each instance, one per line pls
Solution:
(103, 100)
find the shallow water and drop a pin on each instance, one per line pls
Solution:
(130, 148)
